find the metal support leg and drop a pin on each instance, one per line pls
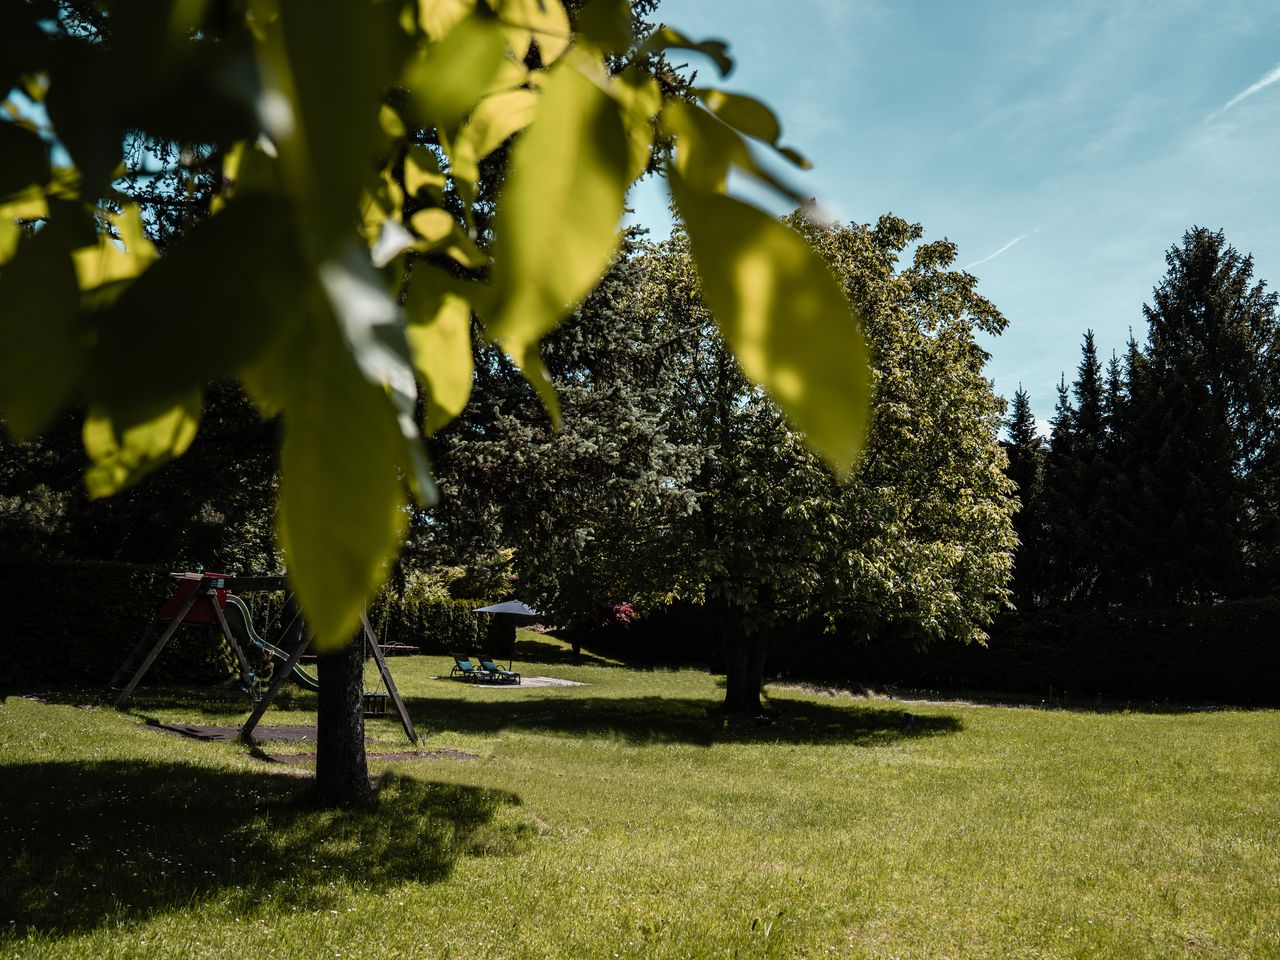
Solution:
(282, 672)
(164, 638)
(246, 675)
(401, 712)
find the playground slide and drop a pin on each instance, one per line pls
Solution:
(241, 625)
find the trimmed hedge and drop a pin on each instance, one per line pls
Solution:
(1224, 653)
(434, 625)
(74, 622)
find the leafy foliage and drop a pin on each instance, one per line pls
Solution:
(345, 229)
(675, 477)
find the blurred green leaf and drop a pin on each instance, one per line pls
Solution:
(494, 120)
(668, 38)
(606, 24)
(39, 327)
(785, 317)
(440, 232)
(439, 334)
(121, 454)
(24, 158)
(640, 98)
(748, 115)
(341, 506)
(438, 17)
(325, 71)
(206, 310)
(556, 228)
(707, 148)
(371, 325)
(422, 173)
(447, 81)
(109, 260)
(542, 20)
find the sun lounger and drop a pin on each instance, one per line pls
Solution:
(464, 669)
(497, 673)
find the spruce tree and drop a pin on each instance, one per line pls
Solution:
(1026, 451)
(1212, 352)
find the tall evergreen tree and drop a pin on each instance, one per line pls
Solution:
(1213, 352)
(1025, 449)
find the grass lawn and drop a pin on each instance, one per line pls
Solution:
(625, 818)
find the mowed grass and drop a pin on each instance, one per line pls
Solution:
(628, 818)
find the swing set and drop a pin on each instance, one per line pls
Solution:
(207, 599)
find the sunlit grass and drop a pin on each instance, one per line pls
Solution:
(625, 817)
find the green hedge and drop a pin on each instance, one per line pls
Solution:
(74, 622)
(434, 625)
(1224, 653)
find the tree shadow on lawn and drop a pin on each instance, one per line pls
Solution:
(90, 843)
(223, 700)
(552, 653)
(681, 720)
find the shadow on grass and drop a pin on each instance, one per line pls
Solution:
(680, 720)
(86, 844)
(553, 653)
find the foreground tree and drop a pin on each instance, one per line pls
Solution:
(339, 271)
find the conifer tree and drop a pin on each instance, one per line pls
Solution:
(1026, 452)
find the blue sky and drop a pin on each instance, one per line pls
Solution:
(1063, 147)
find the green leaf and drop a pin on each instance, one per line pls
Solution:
(122, 453)
(640, 98)
(748, 115)
(341, 507)
(438, 17)
(325, 69)
(39, 327)
(494, 120)
(668, 38)
(707, 148)
(449, 79)
(784, 316)
(109, 261)
(24, 158)
(606, 24)
(207, 309)
(556, 229)
(439, 231)
(439, 334)
(542, 20)
(422, 173)
(370, 324)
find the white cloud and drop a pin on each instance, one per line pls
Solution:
(1247, 92)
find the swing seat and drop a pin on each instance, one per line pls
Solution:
(375, 704)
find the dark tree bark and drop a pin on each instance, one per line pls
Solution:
(744, 667)
(342, 771)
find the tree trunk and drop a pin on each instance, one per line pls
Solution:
(342, 772)
(744, 668)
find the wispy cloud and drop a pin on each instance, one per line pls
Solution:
(1247, 92)
(1008, 246)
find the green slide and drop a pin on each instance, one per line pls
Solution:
(242, 629)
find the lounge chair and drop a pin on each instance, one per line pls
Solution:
(497, 673)
(464, 669)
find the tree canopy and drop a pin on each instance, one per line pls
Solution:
(345, 242)
(675, 477)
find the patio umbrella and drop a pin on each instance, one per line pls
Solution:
(512, 609)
